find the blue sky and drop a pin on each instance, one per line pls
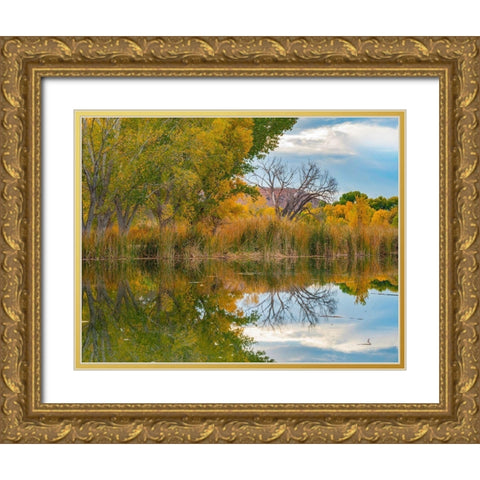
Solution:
(340, 338)
(360, 152)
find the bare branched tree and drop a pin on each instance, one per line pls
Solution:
(307, 305)
(291, 190)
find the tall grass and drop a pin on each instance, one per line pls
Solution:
(258, 237)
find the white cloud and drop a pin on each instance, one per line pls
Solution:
(342, 139)
(342, 337)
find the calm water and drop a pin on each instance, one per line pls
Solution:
(304, 310)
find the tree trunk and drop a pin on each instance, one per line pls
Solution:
(104, 220)
(125, 216)
(87, 225)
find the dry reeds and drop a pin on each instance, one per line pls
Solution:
(254, 237)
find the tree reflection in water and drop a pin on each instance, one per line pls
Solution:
(196, 311)
(298, 304)
(95, 332)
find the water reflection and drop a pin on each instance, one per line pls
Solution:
(296, 304)
(303, 310)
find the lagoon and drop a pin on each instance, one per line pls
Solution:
(281, 310)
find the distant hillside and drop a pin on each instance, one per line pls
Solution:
(284, 195)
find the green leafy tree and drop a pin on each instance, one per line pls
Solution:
(350, 197)
(100, 137)
(382, 203)
(267, 133)
(140, 138)
(178, 168)
(392, 202)
(379, 203)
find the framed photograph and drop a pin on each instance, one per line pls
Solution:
(208, 249)
(239, 239)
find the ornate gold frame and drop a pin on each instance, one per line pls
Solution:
(25, 61)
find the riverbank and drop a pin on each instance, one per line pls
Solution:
(252, 238)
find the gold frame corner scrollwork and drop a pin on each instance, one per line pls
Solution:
(24, 61)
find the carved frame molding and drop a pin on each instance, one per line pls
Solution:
(24, 61)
